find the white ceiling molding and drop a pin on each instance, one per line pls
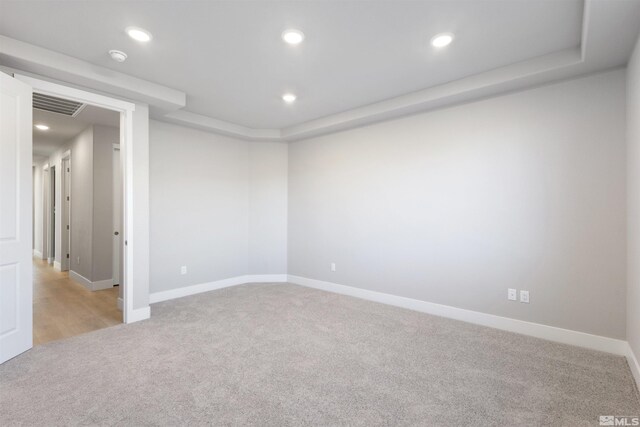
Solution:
(220, 126)
(593, 54)
(34, 59)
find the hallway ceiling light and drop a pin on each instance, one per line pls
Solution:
(139, 34)
(293, 36)
(288, 98)
(42, 127)
(442, 40)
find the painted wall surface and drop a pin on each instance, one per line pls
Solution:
(218, 207)
(633, 202)
(140, 206)
(199, 206)
(38, 208)
(268, 207)
(82, 203)
(103, 139)
(525, 191)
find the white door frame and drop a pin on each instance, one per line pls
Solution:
(126, 110)
(46, 210)
(116, 243)
(65, 212)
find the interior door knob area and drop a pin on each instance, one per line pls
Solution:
(116, 233)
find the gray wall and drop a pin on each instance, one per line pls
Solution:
(82, 203)
(267, 208)
(454, 206)
(207, 191)
(103, 139)
(38, 207)
(633, 138)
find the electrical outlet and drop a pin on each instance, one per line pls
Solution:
(524, 296)
(512, 294)
(333, 266)
(183, 269)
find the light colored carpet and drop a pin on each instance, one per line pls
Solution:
(280, 354)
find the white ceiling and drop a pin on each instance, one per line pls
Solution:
(63, 128)
(229, 59)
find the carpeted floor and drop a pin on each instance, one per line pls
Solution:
(280, 354)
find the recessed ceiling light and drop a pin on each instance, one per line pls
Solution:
(138, 34)
(293, 36)
(42, 127)
(118, 55)
(288, 98)
(442, 40)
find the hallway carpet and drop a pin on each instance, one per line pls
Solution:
(280, 354)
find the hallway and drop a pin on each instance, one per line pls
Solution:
(63, 308)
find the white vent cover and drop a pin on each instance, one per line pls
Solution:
(56, 105)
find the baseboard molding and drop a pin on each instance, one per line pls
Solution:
(156, 297)
(551, 333)
(120, 303)
(57, 266)
(92, 286)
(139, 314)
(633, 364)
(50, 261)
(37, 254)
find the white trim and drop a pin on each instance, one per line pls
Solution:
(37, 254)
(57, 266)
(80, 279)
(72, 94)
(551, 333)
(102, 284)
(126, 110)
(92, 286)
(139, 314)
(633, 364)
(212, 286)
(50, 261)
(120, 303)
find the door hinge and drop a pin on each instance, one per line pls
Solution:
(67, 198)
(67, 169)
(67, 227)
(67, 255)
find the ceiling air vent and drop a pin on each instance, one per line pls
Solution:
(56, 105)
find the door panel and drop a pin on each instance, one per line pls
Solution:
(16, 288)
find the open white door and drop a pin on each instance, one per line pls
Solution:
(16, 288)
(117, 213)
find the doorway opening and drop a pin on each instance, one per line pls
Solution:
(75, 285)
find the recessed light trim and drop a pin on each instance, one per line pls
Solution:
(118, 55)
(139, 34)
(289, 98)
(293, 36)
(40, 126)
(442, 40)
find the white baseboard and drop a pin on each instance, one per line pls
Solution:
(57, 266)
(212, 286)
(120, 303)
(551, 333)
(633, 364)
(92, 286)
(139, 314)
(37, 254)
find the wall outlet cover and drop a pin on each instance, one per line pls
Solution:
(183, 269)
(512, 294)
(524, 296)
